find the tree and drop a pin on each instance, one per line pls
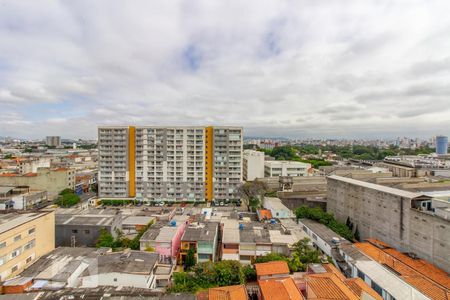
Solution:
(190, 259)
(67, 199)
(251, 193)
(249, 273)
(8, 156)
(105, 239)
(304, 254)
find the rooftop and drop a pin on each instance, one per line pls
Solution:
(422, 275)
(12, 220)
(201, 232)
(272, 268)
(233, 292)
(377, 187)
(131, 262)
(322, 231)
(279, 289)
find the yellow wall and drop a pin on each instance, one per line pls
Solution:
(209, 161)
(131, 161)
(44, 236)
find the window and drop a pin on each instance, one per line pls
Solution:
(361, 275)
(14, 269)
(87, 231)
(74, 231)
(314, 236)
(28, 259)
(31, 231)
(115, 279)
(15, 253)
(2, 245)
(377, 288)
(17, 238)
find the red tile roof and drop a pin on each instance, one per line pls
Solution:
(279, 289)
(425, 277)
(233, 292)
(272, 268)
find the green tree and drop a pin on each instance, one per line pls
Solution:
(249, 273)
(251, 193)
(190, 259)
(105, 239)
(8, 156)
(67, 200)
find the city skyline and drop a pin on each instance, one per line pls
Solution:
(297, 70)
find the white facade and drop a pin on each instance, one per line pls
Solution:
(275, 168)
(253, 165)
(146, 281)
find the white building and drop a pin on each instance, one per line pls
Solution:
(276, 168)
(253, 165)
(277, 208)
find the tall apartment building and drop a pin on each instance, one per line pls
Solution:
(410, 222)
(23, 239)
(54, 141)
(253, 165)
(170, 163)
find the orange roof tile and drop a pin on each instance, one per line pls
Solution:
(272, 268)
(357, 285)
(265, 213)
(233, 292)
(419, 273)
(332, 269)
(328, 286)
(279, 289)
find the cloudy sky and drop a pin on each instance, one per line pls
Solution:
(316, 68)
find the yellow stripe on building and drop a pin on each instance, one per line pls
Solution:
(131, 161)
(209, 161)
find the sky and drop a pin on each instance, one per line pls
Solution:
(299, 69)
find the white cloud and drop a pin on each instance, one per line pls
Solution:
(295, 68)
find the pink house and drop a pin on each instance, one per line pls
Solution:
(164, 239)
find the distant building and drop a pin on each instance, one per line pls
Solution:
(45, 179)
(253, 165)
(441, 145)
(277, 168)
(23, 239)
(170, 163)
(54, 141)
(20, 198)
(82, 227)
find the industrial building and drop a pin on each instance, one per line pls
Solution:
(411, 222)
(170, 163)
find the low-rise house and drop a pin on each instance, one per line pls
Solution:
(279, 289)
(244, 241)
(277, 208)
(61, 268)
(386, 281)
(272, 269)
(82, 227)
(323, 237)
(128, 268)
(164, 238)
(20, 198)
(133, 224)
(202, 238)
(324, 281)
(233, 292)
(431, 281)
